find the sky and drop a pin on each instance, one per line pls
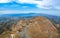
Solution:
(51, 7)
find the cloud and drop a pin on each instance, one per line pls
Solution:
(4, 1)
(29, 11)
(57, 7)
(46, 4)
(40, 4)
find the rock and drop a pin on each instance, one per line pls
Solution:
(37, 27)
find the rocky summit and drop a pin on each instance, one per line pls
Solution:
(36, 27)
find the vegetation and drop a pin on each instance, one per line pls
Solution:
(6, 23)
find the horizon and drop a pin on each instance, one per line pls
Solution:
(50, 7)
(30, 14)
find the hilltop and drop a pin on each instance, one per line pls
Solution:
(36, 27)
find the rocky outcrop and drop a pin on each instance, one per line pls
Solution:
(37, 27)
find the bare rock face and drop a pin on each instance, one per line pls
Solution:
(37, 27)
(41, 28)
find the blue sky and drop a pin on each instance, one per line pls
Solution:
(51, 7)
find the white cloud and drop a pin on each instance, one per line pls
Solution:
(45, 4)
(30, 11)
(57, 7)
(4, 1)
(25, 1)
(40, 4)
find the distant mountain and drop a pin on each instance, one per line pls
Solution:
(29, 14)
(51, 17)
(54, 19)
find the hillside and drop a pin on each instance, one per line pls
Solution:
(16, 17)
(36, 27)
